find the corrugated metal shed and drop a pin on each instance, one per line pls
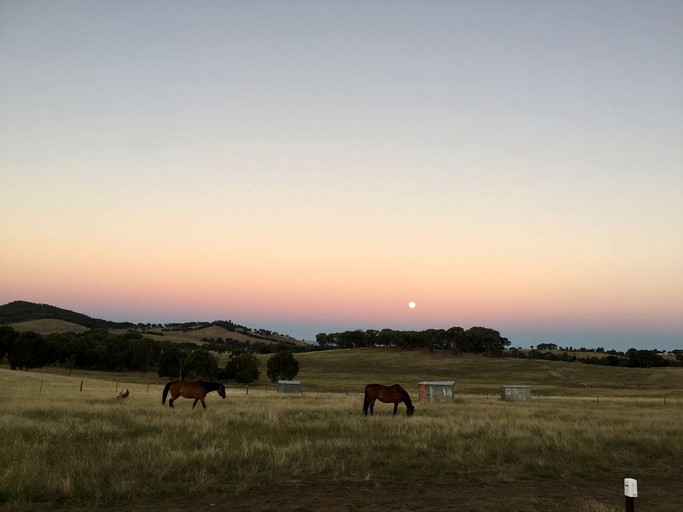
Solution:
(289, 386)
(515, 393)
(436, 390)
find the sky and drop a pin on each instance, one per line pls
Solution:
(314, 166)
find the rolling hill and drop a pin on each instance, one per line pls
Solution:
(22, 311)
(350, 369)
(46, 319)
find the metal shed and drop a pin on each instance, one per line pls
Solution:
(515, 393)
(289, 386)
(436, 390)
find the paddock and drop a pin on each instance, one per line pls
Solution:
(259, 436)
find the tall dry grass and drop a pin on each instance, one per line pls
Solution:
(64, 446)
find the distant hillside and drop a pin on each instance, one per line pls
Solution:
(48, 326)
(21, 311)
(46, 319)
(209, 332)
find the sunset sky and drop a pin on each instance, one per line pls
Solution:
(313, 166)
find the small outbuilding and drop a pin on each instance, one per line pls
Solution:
(515, 393)
(436, 391)
(289, 386)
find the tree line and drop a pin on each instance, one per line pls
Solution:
(632, 358)
(475, 340)
(100, 350)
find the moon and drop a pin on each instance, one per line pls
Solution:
(411, 304)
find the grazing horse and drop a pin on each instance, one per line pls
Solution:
(197, 390)
(388, 394)
(123, 393)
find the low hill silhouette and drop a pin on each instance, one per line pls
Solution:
(22, 311)
(26, 313)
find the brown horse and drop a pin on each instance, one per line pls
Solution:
(388, 394)
(197, 390)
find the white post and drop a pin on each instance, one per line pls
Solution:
(631, 493)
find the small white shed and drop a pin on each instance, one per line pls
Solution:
(436, 390)
(515, 393)
(289, 386)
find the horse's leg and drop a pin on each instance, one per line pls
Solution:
(195, 402)
(372, 407)
(395, 408)
(170, 401)
(203, 404)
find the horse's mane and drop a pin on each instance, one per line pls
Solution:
(406, 397)
(211, 386)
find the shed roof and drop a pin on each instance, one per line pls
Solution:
(438, 382)
(289, 382)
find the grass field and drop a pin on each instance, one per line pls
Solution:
(67, 449)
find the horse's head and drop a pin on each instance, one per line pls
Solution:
(410, 411)
(221, 391)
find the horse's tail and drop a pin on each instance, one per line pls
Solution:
(163, 396)
(366, 401)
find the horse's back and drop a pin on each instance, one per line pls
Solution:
(385, 393)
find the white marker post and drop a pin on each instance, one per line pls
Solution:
(631, 493)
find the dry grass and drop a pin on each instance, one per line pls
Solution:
(48, 326)
(343, 370)
(65, 447)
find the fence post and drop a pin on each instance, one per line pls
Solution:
(630, 494)
(41, 387)
(81, 386)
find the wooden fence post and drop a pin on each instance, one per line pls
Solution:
(81, 386)
(630, 494)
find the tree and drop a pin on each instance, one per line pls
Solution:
(201, 363)
(455, 337)
(644, 359)
(485, 340)
(322, 339)
(142, 354)
(7, 337)
(282, 365)
(546, 346)
(30, 350)
(242, 367)
(171, 362)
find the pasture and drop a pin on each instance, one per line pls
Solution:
(67, 449)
